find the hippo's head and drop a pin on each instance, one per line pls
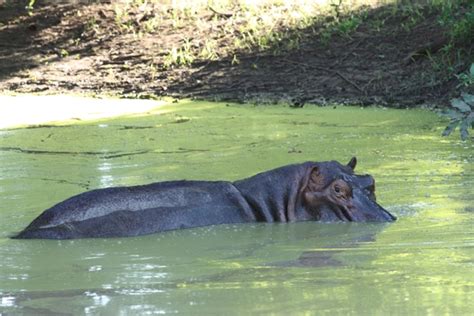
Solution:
(333, 192)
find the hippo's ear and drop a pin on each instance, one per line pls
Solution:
(315, 180)
(352, 163)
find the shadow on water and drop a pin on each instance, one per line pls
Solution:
(326, 257)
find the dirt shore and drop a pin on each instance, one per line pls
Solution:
(80, 49)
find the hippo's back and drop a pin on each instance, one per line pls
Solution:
(139, 210)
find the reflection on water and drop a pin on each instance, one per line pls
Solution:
(422, 264)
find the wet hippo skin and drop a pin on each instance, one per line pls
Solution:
(311, 191)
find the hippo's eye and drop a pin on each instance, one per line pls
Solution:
(341, 190)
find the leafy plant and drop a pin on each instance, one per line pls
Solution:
(348, 25)
(459, 23)
(209, 52)
(63, 53)
(182, 56)
(461, 115)
(466, 79)
(30, 6)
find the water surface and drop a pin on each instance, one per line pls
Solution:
(421, 264)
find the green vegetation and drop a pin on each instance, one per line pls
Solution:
(181, 56)
(462, 112)
(461, 115)
(457, 18)
(466, 79)
(30, 4)
(458, 22)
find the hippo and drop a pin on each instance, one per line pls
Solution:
(310, 191)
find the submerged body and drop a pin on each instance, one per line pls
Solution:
(318, 191)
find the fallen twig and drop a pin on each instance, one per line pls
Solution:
(426, 50)
(349, 81)
(223, 14)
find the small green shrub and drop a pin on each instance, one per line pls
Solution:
(466, 79)
(462, 115)
(182, 56)
(459, 23)
(348, 25)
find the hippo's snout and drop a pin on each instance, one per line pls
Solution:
(366, 209)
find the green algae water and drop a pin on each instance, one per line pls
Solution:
(421, 264)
